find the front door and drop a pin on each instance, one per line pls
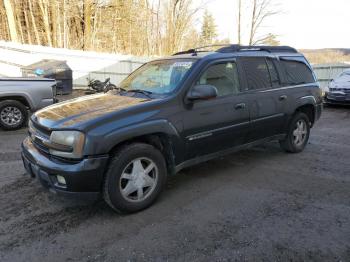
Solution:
(222, 122)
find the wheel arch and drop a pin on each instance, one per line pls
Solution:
(159, 133)
(160, 141)
(20, 98)
(307, 105)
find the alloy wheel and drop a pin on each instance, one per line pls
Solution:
(300, 132)
(11, 115)
(138, 180)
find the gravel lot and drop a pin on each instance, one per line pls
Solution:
(256, 205)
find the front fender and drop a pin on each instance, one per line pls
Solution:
(103, 145)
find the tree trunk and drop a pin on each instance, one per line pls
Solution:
(27, 28)
(239, 20)
(45, 15)
(11, 20)
(252, 26)
(36, 32)
(87, 24)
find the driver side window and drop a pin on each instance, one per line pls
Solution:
(224, 76)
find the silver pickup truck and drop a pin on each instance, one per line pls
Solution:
(20, 95)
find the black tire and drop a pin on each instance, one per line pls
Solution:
(112, 191)
(22, 112)
(289, 144)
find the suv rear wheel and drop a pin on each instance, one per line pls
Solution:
(13, 114)
(135, 177)
(298, 134)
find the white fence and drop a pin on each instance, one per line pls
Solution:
(83, 64)
(116, 72)
(326, 72)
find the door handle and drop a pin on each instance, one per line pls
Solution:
(240, 106)
(283, 97)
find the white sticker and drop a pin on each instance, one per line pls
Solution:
(186, 64)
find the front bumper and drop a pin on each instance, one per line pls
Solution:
(83, 179)
(337, 98)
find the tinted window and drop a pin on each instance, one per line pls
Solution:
(257, 72)
(223, 76)
(273, 73)
(296, 72)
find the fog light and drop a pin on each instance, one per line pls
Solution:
(61, 180)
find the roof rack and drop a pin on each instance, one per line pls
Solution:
(196, 50)
(270, 49)
(230, 48)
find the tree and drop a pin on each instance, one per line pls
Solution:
(270, 39)
(208, 33)
(138, 27)
(178, 21)
(261, 11)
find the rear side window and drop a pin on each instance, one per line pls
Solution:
(296, 72)
(257, 72)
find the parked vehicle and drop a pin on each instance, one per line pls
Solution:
(170, 114)
(339, 89)
(20, 95)
(99, 86)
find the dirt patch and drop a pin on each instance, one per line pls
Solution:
(256, 205)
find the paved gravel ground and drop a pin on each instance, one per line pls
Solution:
(257, 205)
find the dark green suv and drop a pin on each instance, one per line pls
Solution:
(169, 114)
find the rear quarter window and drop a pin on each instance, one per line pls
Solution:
(296, 71)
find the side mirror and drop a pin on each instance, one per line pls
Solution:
(202, 92)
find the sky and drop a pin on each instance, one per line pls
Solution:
(305, 24)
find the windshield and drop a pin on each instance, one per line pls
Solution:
(345, 73)
(159, 77)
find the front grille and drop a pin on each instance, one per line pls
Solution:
(38, 136)
(345, 90)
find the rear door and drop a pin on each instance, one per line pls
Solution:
(267, 102)
(220, 123)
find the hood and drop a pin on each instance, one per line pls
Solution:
(342, 82)
(83, 109)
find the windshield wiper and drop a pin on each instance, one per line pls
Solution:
(119, 89)
(141, 91)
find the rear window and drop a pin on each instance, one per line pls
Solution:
(296, 72)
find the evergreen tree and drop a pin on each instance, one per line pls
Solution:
(209, 33)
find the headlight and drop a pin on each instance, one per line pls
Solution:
(68, 144)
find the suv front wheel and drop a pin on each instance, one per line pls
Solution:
(135, 177)
(298, 134)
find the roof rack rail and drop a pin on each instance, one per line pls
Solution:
(230, 48)
(196, 50)
(270, 49)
